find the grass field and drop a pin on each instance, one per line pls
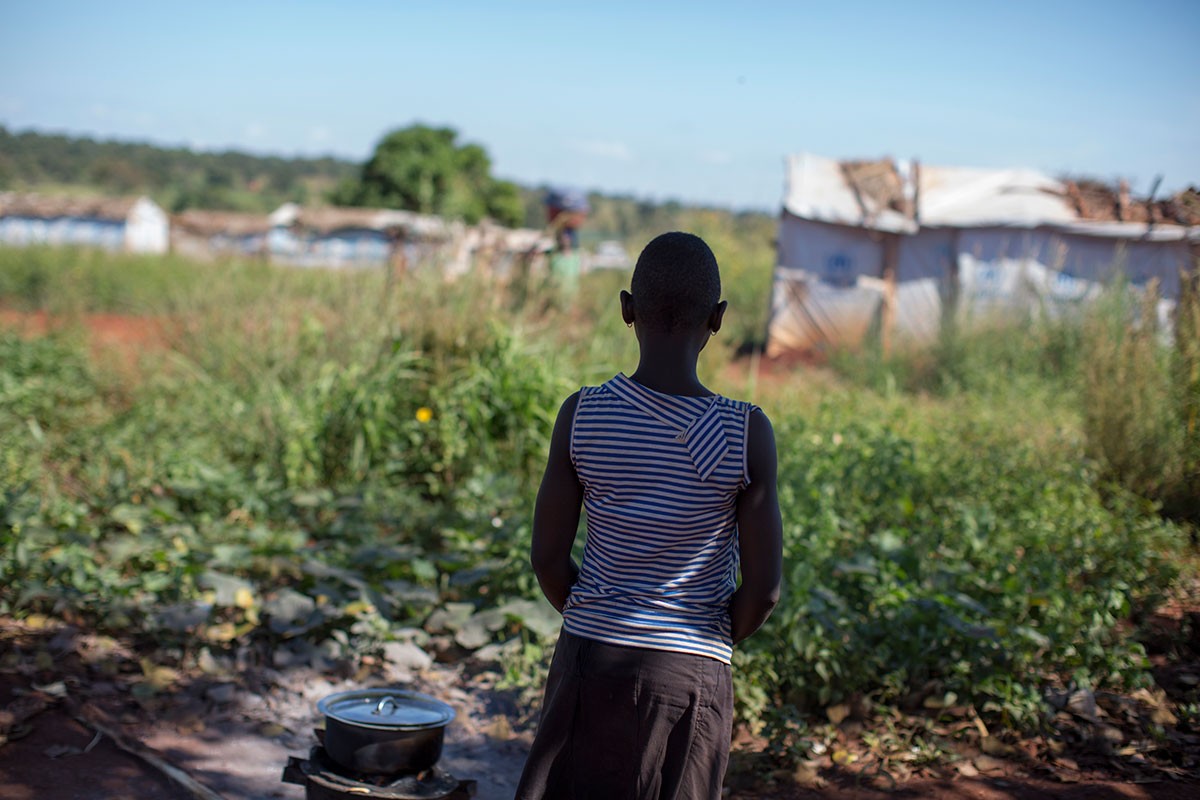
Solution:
(220, 456)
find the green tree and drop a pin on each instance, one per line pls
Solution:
(425, 169)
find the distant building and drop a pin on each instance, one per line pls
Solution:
(372, 237)
(906, 247)
(211, 234)
(130, 224)
(348, 237)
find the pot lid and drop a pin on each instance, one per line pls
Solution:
(387, 709)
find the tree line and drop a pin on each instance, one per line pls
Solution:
(420, 168)
(176, 177)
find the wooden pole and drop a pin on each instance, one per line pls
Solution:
(953, 286)
(1151, 212)
(98, 721)
(394, 269)
(891, 260)
(916, 206)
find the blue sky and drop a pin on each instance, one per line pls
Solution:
(694, 101)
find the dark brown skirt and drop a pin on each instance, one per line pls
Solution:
(624, 723)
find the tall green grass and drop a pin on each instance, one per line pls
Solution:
(71, 280)
(1139, 400)
(323, 457)
(1130, 389)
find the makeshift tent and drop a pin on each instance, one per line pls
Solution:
(901, 246)
(132, 224)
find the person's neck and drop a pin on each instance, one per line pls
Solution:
(668, 366)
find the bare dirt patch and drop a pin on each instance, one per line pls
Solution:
(119, 341)
(61, 757)
(103, 330)
(233, 732)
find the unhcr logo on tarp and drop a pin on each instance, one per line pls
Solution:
(839, 271)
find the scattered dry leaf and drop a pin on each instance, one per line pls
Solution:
(994, 747)
(158, 676)
(986, 763)
(945, 701)
(837, 713)
(499, 728)
(271, 730)
(807, 774)
(56, 689)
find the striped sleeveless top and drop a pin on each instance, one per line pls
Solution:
(661, 475)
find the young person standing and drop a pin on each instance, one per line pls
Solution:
(679, 488)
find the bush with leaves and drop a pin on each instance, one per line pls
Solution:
(967, 562)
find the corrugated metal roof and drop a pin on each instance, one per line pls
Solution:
(330, 219)
(37, 206)
(817, 189)
(826, 190)
(228, 223)
(959, 197)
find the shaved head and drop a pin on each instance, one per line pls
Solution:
(676, 283)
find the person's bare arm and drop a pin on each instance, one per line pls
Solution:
(760, 534)
(556, 513)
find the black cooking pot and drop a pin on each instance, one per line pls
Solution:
(384, 731)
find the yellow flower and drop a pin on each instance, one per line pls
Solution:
(424, 414)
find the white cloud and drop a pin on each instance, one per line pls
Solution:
(613, 151)
(99, 110)
(319, 135)
(255, 130)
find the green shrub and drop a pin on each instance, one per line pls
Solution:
(1135, 389)
(1139, 400)
(984, 357)
(967, 563)
(319, 457)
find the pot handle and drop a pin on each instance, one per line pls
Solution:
(384, 703)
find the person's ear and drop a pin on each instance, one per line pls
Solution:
(626, 307)
(718, 313)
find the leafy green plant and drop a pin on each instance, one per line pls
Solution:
(1139, 400)
(309, 461)
(967, 564)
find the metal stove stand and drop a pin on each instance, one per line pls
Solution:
(324, 779)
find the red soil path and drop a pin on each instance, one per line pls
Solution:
(104, 330)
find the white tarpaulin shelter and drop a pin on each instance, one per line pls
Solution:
(132, 224)
(371, 237)
(902, 246)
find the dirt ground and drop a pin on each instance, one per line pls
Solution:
(105, 331)
(233, 734)
(234, 743)
(239, 758)
(239, 761)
